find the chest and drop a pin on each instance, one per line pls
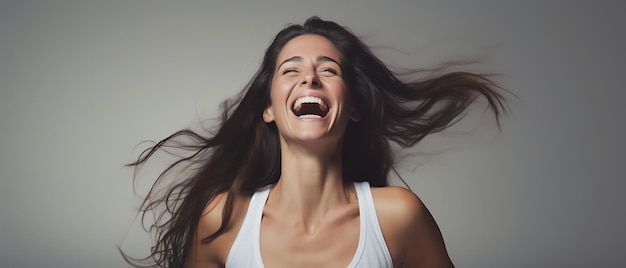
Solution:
(332, 244)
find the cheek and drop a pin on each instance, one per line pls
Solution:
(338, 88)
(281, 88)
(279, 94)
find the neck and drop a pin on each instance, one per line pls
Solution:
(311, 184)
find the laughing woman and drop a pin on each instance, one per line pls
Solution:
(296, 175)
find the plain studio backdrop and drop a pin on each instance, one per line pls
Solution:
(82, 83)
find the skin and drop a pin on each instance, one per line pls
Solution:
(309, 207)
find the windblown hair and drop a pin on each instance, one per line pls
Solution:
(243, 153)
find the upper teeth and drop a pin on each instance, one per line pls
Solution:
(308, 99)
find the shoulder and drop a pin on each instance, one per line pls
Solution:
(411, 233)
(212, 214)
(399, 204)
(213, 252)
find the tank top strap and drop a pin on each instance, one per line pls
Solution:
(246, 249)
(372, 251)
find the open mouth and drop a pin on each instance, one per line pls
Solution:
(310, 107)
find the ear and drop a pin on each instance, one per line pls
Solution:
(356, 116)
(268, 115)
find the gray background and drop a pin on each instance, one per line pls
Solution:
(83, 82)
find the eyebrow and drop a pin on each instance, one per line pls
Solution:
(319, 58)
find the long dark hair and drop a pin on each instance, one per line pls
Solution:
(243, 153)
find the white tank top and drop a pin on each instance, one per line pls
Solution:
(371, 251)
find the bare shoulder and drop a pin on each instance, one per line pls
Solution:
(411, 233)
(213, 252)
(399, 206)
(211, 218)
(396, 199)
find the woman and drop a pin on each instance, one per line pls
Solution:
(296, 174)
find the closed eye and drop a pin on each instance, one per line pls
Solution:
(329, 70)
(287, 71)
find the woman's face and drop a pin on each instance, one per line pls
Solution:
(309, 99)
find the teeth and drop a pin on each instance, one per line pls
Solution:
(309, 99)
(309, 116)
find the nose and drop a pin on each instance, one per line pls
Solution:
(311, 79)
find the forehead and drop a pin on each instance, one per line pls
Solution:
(309, 46)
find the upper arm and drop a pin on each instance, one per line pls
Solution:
(410, 231)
